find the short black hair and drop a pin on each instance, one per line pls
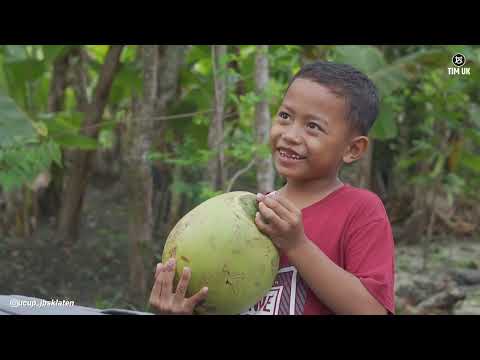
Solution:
(360, 93)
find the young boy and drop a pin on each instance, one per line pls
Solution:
(335, 241)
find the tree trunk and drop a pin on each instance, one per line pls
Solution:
(171, 59)
(76, 182)
(50, 202)
(175, 201)
(265, 171)
(12, 218)
(216, 168)
(239, 89)
(58, 85)
(139, 181)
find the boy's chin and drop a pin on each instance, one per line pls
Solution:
(289, 175)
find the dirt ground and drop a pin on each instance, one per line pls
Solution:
(95, 272)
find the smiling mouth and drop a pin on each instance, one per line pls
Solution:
(288, 155)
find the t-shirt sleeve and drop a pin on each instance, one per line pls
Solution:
(370, 253)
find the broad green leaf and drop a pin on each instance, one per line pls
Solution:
(59, 124)
(98, 52)
(55, 152)
(365, 58)
(3, 78)
(75, 141)
(470, 161)
(198, 52)
(432, 58)
(15, 125)
(385, 127)
(127, 82)
(41, 93)
(27, 70)
(389, 79)
(129, 53)
(51, 52)
(17, 90)
(15, 53)
(474, 135)
(21, 75)
(203, 66)
(396, 75)
(246, 51)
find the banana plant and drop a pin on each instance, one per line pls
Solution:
(26, 146)
(393, 76)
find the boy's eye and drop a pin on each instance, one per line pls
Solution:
(283, 115)
(313, 125)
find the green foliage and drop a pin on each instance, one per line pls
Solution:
(423, 111)
(390, 77)
(30, 139)
(21, 164)
(24, 149)
(128, 83)
(385, 127)
(64, 128)
(15, 125)
(441, 113)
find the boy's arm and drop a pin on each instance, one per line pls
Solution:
(337, 288)
(341, 291)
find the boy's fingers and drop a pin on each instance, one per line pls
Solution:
(199, 296)
(157, 269)
(277, 207)
(262, 226)
(286, 203)
(157, 285)
(183, 285)
(271, 217)
(168, 275)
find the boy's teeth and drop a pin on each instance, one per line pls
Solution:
(283, 153)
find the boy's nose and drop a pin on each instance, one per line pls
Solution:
(292, 136)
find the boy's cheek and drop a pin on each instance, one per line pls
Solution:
(272, 140)
(275, 133)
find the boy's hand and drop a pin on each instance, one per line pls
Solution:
(280, 220)
(167, 302)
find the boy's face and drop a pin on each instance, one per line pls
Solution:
(310, 134)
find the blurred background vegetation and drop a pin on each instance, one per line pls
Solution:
(104, 148)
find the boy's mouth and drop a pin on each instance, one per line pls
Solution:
(289, 154)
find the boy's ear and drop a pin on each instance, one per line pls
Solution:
(358, 146)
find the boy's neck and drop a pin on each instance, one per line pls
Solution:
(305, 193)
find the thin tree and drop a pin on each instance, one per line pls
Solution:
(77, 177)
(264, 165)
(215, 168)
(139, 179)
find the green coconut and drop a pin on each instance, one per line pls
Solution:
(219, 241)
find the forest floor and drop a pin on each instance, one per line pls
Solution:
(95, 271)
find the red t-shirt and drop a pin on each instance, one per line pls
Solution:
(352, 228)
